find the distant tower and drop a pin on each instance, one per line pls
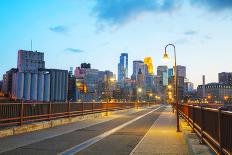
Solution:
(203, 89)
(148, 62)
(123, 67)
(140, 78)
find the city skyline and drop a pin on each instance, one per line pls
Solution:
(90, 35)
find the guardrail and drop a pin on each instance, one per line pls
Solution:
(22, 113)
(213, 126)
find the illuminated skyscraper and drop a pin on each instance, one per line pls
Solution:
(148, 62)
(123, 67)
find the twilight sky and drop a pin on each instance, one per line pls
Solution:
(70, 32)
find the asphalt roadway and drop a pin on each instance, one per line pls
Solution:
(118, 136)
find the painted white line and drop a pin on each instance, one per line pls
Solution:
(133, 151)
(93, 140)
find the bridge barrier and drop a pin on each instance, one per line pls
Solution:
(212, 125)
(13, 114)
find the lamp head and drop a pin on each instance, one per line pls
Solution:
(165, 57)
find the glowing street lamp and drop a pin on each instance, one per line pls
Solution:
(169, 86)
(166, 58)
(139, 90)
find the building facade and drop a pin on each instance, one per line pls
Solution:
(225, 78)
(215, 91)
(148, 63)
(123, 67)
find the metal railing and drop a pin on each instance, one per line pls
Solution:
(23, 113)
(213, 126)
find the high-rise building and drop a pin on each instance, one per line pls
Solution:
(140, 79)
(148, 62)
(181, 71)
(225, 78)
(170, 72)
(138, 65)
(86, 65)
(123, 67)
(162, 71)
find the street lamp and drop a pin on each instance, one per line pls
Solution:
(165, 57)
(139, 90)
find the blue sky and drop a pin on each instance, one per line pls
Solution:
(70, 32)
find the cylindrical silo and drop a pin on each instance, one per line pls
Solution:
(40, 87)
(20, 84)
(34, 80)
(62, 85)
(53, 83)
(47, 87)
(66, 86)
(27, 86)
(57, 85)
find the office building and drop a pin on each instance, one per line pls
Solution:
(170, 72)
(137, 65)
(162, 71)
(225, 78)
(181, 71)
(215, 91)
(123, 67)
(148, 63)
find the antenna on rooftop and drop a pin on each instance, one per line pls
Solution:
(31, 45)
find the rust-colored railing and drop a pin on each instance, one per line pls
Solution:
(22, 113)
(213, 126)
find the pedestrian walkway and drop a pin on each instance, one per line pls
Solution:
(162, 137)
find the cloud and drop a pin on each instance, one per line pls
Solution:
(117, 12)
(74, 50)
(214, 5)
(191, 32)
(208, 37)
(58, 29)
(181, 41)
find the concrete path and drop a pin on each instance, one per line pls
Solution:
(162, 138)
(57, 137)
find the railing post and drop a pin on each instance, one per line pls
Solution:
(107, 108)
(187, 114)
(82, 108)
(220, 131)
(92, 107)
(202, 125)
(21, 113)
(193, 118)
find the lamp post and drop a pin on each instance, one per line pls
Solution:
(176, 83)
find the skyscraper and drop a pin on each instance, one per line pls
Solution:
(181, 71)
(148, 62)
(138, 65)
(162, 71)
(123, 67)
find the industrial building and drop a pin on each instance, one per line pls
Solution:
(32, 82)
